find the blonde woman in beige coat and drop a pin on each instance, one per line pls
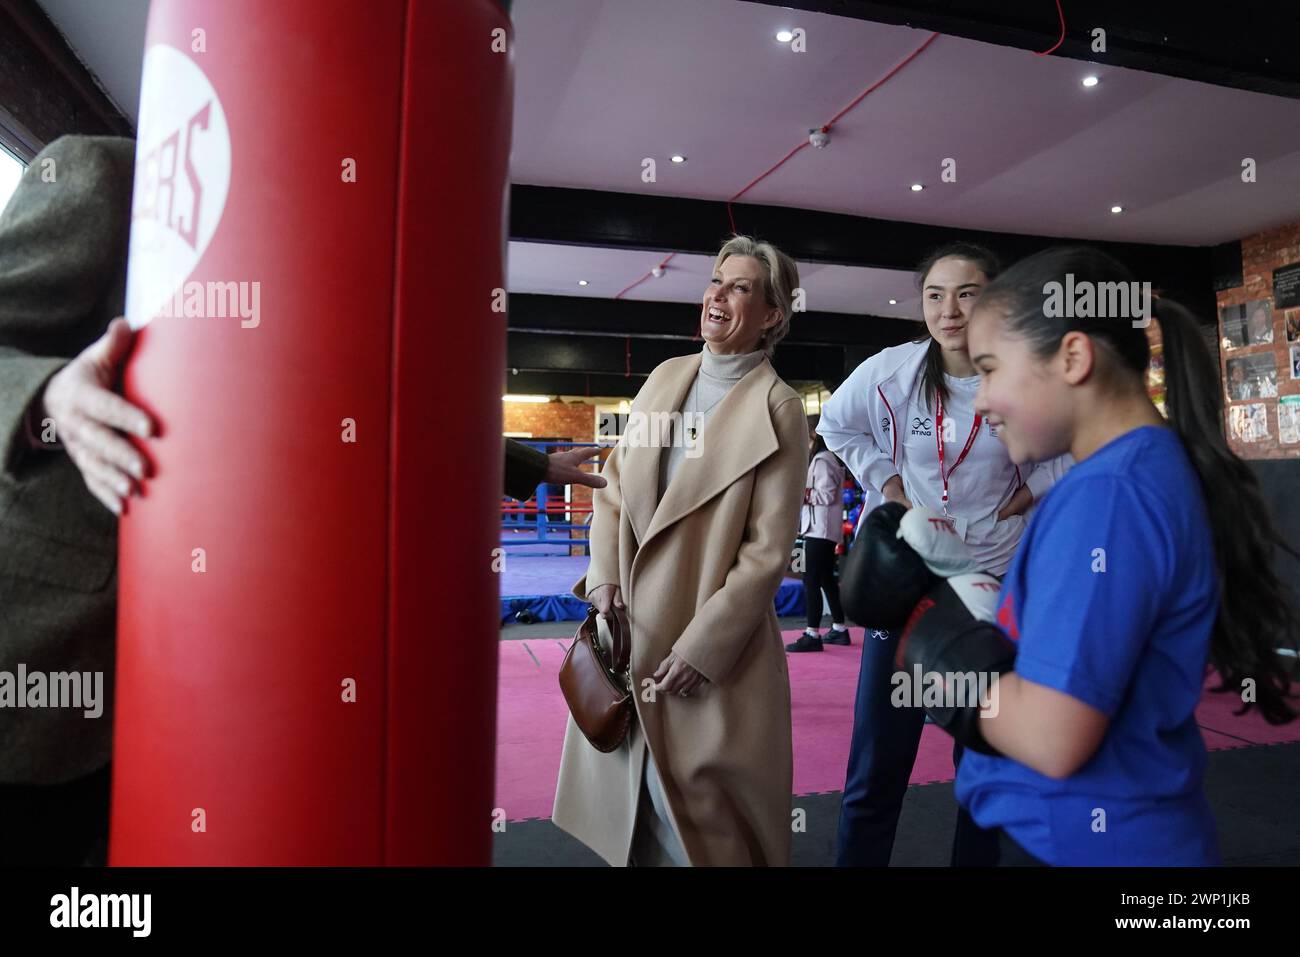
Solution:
(692, 535)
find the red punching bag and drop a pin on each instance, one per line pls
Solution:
(317, 259)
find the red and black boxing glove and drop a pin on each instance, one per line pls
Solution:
(946, 642)
(883, 577)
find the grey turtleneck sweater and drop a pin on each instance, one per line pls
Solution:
(717, 376)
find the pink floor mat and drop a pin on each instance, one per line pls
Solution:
(531, 718)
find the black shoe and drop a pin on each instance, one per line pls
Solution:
(806, 642)
(838, 636)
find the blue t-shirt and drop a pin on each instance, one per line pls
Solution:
(1112, 599)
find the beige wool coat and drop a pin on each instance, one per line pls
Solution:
(699, 574)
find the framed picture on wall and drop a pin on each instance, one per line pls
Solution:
(1293, 327)
(1250, 324)
(1286, 286)
(1252, 377)
(1295, 362)
(1249, 422)
(1288, 419)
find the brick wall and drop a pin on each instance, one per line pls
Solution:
(575, 421)
(572, 420)
(1260, 255)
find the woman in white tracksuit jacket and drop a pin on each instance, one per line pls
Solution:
(904, 425)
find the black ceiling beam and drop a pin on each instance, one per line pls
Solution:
(603, 354)
(587, 217)
(526, 382)
(627, 317)
(1247, 45)
(532, 352)
(594, 384)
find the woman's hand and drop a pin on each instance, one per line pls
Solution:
(893, 492)
(675, 676)
(1018, 505)
(606, 597)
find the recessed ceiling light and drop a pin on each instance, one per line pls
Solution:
(1117, 209)
(1090, 81)
(582, 282)
(917, 187)
(784, 36)
(678, 158)
(893, 302)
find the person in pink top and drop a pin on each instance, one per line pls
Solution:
(821, 525)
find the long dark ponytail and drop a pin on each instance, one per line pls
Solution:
(819, 441)
(932, 380)
(1254, 618)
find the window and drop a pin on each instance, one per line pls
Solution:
(813, 401)
(11, 170)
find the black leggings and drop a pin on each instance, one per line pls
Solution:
(819, 573)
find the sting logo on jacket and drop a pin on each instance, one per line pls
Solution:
(921, 426)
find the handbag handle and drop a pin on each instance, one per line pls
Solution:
(617, 626)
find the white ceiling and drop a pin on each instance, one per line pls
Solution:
(602, 84)
(108, 36)
(555, 270)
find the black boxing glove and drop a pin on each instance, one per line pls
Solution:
(945, 644)
(883, 577)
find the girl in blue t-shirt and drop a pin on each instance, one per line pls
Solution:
(1148, 560)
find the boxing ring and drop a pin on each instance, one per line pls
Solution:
(545, 551)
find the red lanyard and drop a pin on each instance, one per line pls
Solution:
(938, 438)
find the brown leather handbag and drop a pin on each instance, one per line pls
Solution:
(599, 692)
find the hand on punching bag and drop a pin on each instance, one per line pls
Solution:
(883, 577)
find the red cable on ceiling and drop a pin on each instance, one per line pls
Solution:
(826, 128)
(646, 276)
(833, 120)
(1061, 14)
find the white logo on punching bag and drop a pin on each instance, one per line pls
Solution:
(182, 176)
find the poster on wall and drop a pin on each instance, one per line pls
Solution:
(1293, 327)
(1249, 422)
(1250, 324)
(1286, 286)
(1252, 377)
(1295, 362)
(1288, 419)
